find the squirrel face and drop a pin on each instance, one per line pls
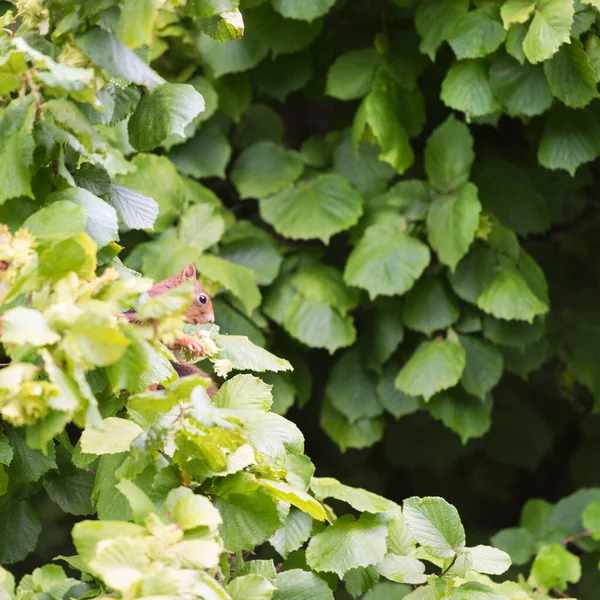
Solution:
(200, 309)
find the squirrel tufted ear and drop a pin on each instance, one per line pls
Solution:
(189, 272)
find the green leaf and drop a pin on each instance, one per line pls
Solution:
(402, 569)
(359, 499)
(570, 139)
(473, 590)
(347, 544)
(476, 35)
(466, 87)
(252, 248)
(506, 189)
(319, 325)
(22, 325)
(284, 36)
(96, 338)
(360, 434)
(248, 519)
(449, 155)
(27, 465)
(303, 10)
(549, 29)
(297, 584)
(164, 111)
(107, 52)
(361, 580)
(120, 563)
(435, 366)
(570, 75)
(430, 306)
(385, 332)
(73, 255)
(324, 283)
(71, 491)
(266, 568)
(155, 177)
(101, 218)
(116, 435)
(283, 75)
(467, 416)
(514, 42)
(205, 155)
(136, 24)
(469, 275)
(362, 167)
(136, 210)
(352, 75)
(12, 66)
(555, 567)
(435, 524)
(298, 498)
(194, 510)
(436, 20)
(507, 295)
(141, 505)
(314, 209)
(87, 535)
(233, 56)
(265, 168)
(491, 561)
(394, 401)
(516, 11)
(20, 528)
(352, 389)
(295, 530)
(452, 222)
(382, 116)
(386, 590)
(483, 368)
(250, 587)
(245, 356)
(519, 543)
(62, 219)
(202, 226)
(228, 25)
(387, 261)
(16, 150)
(521, 89)
(244, 391)
(591, 519)
(6, 451)
(239, 280)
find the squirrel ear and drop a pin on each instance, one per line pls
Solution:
(189, 272)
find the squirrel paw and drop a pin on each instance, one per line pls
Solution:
(194, 345)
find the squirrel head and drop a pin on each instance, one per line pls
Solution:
(200, 309)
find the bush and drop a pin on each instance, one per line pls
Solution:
(398, 198)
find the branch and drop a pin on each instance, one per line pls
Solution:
(448, 567)
(576, 536)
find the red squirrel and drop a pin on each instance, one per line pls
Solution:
(200, 311)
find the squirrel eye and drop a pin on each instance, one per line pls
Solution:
(202, 299)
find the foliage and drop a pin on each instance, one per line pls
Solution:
(398, 197)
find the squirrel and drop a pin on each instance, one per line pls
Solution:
(200, 311)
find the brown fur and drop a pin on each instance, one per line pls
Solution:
(196, 314)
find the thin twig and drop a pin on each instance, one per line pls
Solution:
(576, 536)
(448, 567)
(560, 593)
